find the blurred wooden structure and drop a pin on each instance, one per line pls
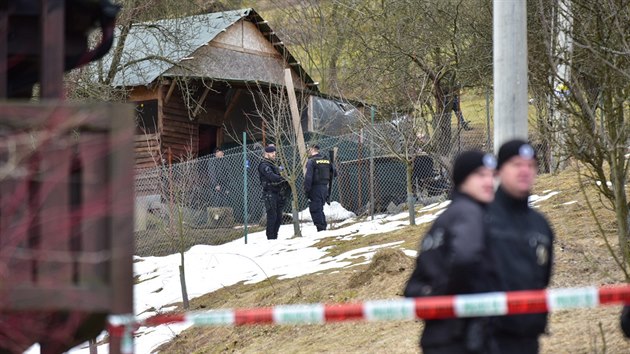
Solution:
(66, 183)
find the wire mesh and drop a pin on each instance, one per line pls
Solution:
(201, 201)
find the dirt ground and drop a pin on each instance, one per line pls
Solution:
(581, 260)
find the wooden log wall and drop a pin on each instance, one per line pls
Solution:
(179, 132)
(147, 150)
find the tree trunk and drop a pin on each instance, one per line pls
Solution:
(182, 273)
(297, 232)
(410, 197)
(182, 279)
(621, 216)
(618, 177)
(442, 121)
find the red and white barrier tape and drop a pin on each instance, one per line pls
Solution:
(473, 305)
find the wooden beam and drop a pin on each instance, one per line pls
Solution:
(201, 100)
(4, 47)
(295, 113)
(52, 45)
(219, 137)
(232, 104)
(170, 92)
(245, 50)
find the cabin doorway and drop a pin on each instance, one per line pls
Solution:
(207, 139)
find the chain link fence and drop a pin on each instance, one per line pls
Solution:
(210, 199)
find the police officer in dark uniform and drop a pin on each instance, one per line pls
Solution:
(219, 179)
(274, 187)
(625, 321)
(317, 183)
(521, 244)
(453, 258)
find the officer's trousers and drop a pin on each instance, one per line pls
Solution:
(273, 206)
(516, 345)
(318, 195)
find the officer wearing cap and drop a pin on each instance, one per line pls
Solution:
(273, 184)
(453, 257)
(317, 183)
(520, 241)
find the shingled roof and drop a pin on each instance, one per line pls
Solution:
(166, 48)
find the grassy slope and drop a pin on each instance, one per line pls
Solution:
(581, 260)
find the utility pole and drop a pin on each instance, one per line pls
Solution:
(510, 70)
(563, 51)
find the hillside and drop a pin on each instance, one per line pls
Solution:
(581, 260)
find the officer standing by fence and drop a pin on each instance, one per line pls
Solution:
(317, 185)
(274, 186)
(521, 244)
(219, 178)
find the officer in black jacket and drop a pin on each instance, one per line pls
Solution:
(453, 257)
(317, 182)
(625, 321)
(521, 243)
(274, 186)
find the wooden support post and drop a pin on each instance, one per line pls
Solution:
(121, 219)
(219, 137)
(201, 100)
(295, 113)
(4, 44)
(52, 46)
(232, 104)
(93, 150)
(55, 217)
(170, 91)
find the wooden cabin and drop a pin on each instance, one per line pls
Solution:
(216, 63)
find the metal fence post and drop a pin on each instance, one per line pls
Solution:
(372, 114)
(245, 215)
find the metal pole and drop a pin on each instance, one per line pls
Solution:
(510, 70)
(360, 172)
(245, 214)
(488, 141)
(372, 114)
(563, 51)
(92, 346)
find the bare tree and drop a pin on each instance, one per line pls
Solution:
(177, 185)
(404, 136)
(272, 119)
(594, 97)
(447, 41)
(318, 34)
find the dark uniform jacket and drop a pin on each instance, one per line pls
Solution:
(459, 264)
(625, 321)
(319, 171)
(270, 177)
(521, 244)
